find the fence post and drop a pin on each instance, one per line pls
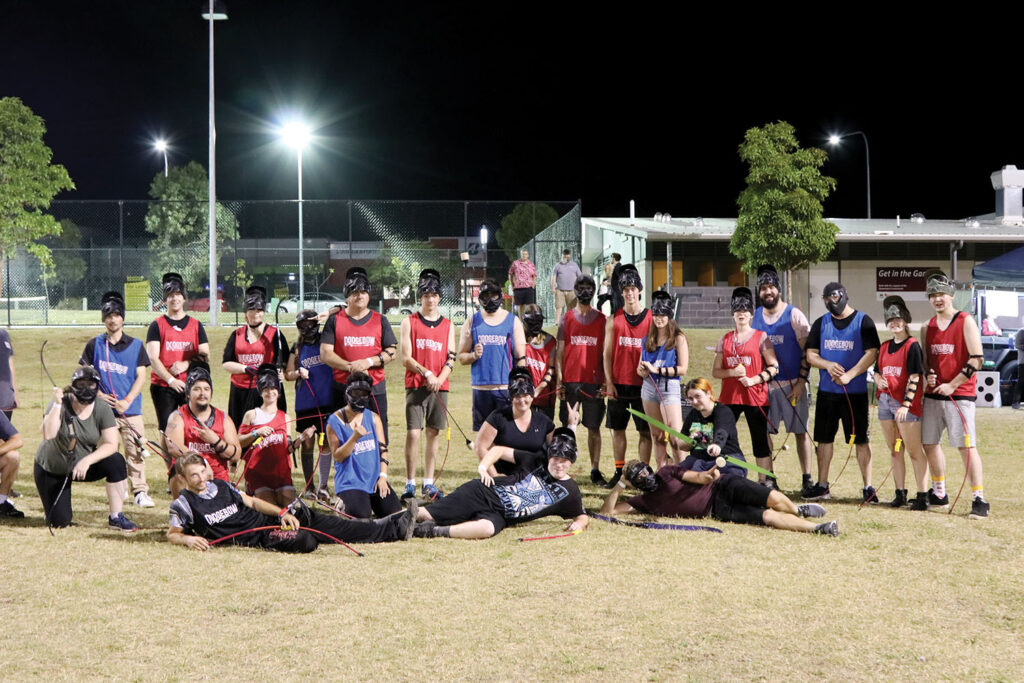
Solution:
(120, 237)
(7, 281)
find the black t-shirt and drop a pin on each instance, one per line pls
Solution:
(216, 512)
(153, 334)
(280, 349)
(868, 333)
(719, 427)
(532, 440)
(387, 335)
(534, 493)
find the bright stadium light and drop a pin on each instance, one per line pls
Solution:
(296, 135)
(161, 146)
(835, 138)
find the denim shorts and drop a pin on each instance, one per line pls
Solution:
(887, 407)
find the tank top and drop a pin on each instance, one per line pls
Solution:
(845, 347)
(252, 353)
(270, 457)
(627, 344)
(429, 349)
(223, 514)
(947, 354)
(194, 442)
(537, 358)
(783, 338)
(315, 392)
(118, 369)
(352, 342)
(893, 366)
(176, 344)
(496, 362)
(584, 349)
(747, 354)
(360, 470)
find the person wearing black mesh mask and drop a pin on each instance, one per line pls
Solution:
(314, 384)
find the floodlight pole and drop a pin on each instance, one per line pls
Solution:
(834, 140)
(302, 277)
(214, 300)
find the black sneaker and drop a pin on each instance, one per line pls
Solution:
(936, 502)
(979, 509)
(1015, 406)
(9, 511)
(14, 494)
(597, 478)
(810, 510)
(805, 486)
(827, 528)
(900, 500)
(920, 503)
(614, 480)
(870, 495)
(818, 492)
(424, 529)
(770, 484)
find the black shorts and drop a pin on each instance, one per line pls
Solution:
(485, 402)
(363, 505)
(735, 499)
(591, 404)
(469, 502)
(316, 418)
(165, 401)
(524, 295)
(628, 396)
(831, 408)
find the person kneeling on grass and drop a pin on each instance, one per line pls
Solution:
(678, 491)
(483, 507)
(268, 473)
(209, 509)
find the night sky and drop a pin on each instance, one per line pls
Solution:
(548, 101)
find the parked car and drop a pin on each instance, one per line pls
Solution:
(321, 303)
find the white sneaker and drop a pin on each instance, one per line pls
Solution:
(143, 500)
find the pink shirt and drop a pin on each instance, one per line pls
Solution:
(522, 273)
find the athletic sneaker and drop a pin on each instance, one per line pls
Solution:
(770, 484)
(900, 500)
(870, 495)
(410, 492)
(614, 481)
(810, 510)
(979, 509)
(405, 521)
(805, 486)
(828, 528)
(14, 494)
(936, 502)
(323, 495)
(424, 529)
(143, 500)
(8, 510)
(597, 478)
(920, 503)
(818, 492)
(431, 492)
(122, 523)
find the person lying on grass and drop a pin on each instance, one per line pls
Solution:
(209, 509)
(681, 491)
(483, 507)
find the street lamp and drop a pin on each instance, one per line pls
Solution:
(214, 10)
(834, 140)
(296, 135)
(161, 146)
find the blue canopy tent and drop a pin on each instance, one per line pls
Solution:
(1003, 272)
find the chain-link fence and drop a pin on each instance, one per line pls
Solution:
(126, 246)
(546, 250)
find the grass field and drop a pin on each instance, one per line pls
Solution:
(899, 595)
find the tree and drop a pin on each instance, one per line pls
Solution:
(180, 221)
(780, 213)
(398, 267)
(28, 182)
(520, 226)
(68, 265)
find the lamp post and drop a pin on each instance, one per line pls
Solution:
(295, 134)
(834, 140)
(161, 146)
(483, 245)
(213, 11)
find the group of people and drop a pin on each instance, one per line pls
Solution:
(602, 369)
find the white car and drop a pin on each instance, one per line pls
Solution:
(321, 303)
